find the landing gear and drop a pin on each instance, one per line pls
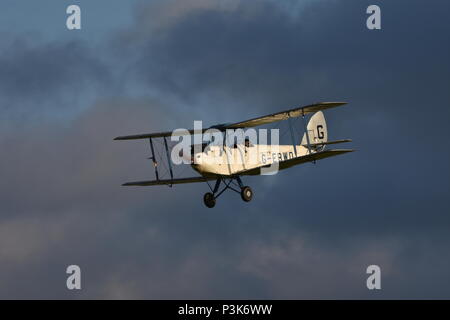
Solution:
(232, 183)
(246, 194)
(209, 200)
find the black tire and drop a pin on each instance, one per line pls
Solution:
(209, 200)
(246, 194)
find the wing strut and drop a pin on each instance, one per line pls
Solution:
(155, 163)
(306, 132)
(168, 159)
(292, 136)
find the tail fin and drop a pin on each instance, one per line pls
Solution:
(317, 129)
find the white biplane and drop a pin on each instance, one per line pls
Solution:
(226, 163)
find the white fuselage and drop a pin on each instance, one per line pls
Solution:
(227, 161)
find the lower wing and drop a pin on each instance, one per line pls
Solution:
(168, 181)
(255, 171)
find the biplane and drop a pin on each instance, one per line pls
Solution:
(227, 163)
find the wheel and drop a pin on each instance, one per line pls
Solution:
(246, 194)
(209, 200)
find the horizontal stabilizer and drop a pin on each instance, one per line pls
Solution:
(327, 143)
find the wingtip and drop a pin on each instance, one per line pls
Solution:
(333, 103)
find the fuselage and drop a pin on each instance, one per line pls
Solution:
(228, 161)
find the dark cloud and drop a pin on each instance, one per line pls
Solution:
(39, 81)
(310, 232)
(259, 54)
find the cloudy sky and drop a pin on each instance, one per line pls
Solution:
(143, 66)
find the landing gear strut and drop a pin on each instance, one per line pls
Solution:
(229, 183)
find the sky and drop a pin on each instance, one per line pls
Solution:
(147, 66)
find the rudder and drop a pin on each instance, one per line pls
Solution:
(317, 129)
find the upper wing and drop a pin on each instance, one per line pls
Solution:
(279, 116)
(168, 181)
(158, 134)
(299, 160)
(284, 115)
